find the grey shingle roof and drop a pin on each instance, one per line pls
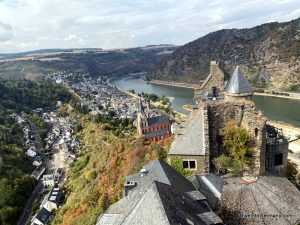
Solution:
(158, 120)
(191, 142)
(160, 204)
(161, 171)
(43, 215)
(161, 197)
(211, 187)
(238, 84)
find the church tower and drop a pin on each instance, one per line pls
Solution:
(238, 87)
(142, 124)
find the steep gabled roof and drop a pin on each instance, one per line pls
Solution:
(160, 196)
(238, 84)
(192, 141)
(158, 170)
(159, 204)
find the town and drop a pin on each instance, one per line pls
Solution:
(50, 158)
(97, 95)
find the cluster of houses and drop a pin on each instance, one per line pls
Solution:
(48, 171)
(51, 202)
(98, 95)
(30, 143)
(60, 136)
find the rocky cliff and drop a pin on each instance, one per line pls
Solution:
(269, 54)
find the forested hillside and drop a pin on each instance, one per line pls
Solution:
(18, 95)
(93, 61)
(269, 54)
(16, 184)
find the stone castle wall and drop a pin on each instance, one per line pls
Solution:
(247, 116)
(200, 162)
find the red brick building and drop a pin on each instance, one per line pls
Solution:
(154, 128)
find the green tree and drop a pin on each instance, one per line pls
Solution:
(236, 142)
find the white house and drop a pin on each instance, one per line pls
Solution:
(31, 152)
(48, 180)
(37, 161)
(53, 200)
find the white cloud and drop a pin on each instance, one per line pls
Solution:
(30, 24)
(70, 37)
(5, 31)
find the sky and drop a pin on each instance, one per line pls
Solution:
(39, 24)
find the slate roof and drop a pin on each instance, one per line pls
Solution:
(160, 204)
(55, 195)
(158, 120)
(161, 171)
(43, 215)
(238, 84)
(210, 186)
(191, 141)
(161, 196)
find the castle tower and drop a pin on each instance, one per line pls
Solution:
(213, 85)
(238, 86)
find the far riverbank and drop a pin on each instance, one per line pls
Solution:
(197, 86)
(291, 95)
(175, 84)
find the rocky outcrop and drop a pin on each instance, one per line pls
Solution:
(268, 54)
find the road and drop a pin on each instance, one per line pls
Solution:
(25, 217)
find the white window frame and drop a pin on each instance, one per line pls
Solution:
(188, 160)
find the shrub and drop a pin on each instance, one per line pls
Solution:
(176, 163)
(236, 141)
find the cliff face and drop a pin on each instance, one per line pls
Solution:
(269, 54)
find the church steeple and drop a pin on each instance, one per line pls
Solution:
(141, 107)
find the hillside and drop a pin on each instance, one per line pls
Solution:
(16, 184)
(94, 61)
(96, 179)
(269, 54)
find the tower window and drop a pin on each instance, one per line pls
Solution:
(214, 91)
(278, 159)
(256, 132)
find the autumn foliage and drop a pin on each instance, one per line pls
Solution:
(96, 183)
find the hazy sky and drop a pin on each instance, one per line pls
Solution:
(36, 24)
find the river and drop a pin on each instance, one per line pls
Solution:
(274, 108)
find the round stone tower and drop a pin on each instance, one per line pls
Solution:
(238, 87)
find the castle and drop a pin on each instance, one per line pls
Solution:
(219, 101)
